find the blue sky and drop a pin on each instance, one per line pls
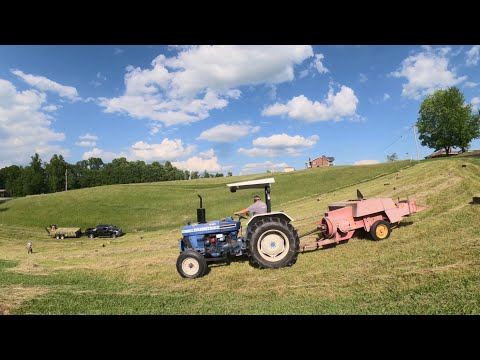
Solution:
(244, 109)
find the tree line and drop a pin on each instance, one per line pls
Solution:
(48, 177)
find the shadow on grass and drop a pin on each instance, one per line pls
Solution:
(475, 200)
(403, 224)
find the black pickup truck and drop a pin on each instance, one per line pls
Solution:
(103, 231)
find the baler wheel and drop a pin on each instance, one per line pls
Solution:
(191, 264)
(380, 230)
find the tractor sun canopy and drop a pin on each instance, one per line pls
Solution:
(255, 184)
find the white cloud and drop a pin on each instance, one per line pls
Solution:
(100, 78)
(343, 104)
(51, 108)
(319, 65)
(366, 162)
(154, 128)
(88, 136)
(106, 156)
(473, 55)
(45, 84)
(186, 87)
(207, 154)
(470, 84)
(205, 160)
(475, 101)
(199, 164)
(24, 126)
(362, 78)
(426, 72)
(386, 97)
(86, 143)
(284, 140)
(263, 167)
(118, 51)
(166, 150)
(304, 73)
(279, 144)
(272, 93)
(228, 132)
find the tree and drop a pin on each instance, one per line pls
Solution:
(229, 173)
(55, 171)
(34, 177)
(392, 157)
(206, 175)
(445, 121)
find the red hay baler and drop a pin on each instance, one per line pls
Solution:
(376, 216)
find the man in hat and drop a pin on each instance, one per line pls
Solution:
(258, 207)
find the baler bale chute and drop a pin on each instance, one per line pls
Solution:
(376, 216)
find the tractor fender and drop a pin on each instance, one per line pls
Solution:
(279, 214)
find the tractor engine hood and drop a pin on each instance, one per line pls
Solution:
(218, 226)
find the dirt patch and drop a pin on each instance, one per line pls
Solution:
(12, 297)
(4, 309)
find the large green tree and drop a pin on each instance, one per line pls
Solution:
(55, 171)
(34, 181)
(445, 121)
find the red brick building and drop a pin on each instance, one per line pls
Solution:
(321, 161)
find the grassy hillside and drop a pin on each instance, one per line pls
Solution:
(168, 205)
(429, 265)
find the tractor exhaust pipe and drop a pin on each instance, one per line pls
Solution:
(201, 215)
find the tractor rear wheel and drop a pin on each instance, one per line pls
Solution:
(274, 243)
(191, 264)
(380, 230)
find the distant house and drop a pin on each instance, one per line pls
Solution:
(321, 161)
(4, 193)
(288, 169)
(442, 153)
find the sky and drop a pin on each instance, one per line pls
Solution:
(240, 109)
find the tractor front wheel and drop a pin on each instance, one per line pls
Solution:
(380, 230)
(191, 264)
(274, 243)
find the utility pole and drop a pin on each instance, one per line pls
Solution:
(415, 137)
(66, 179)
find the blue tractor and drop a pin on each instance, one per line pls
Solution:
(269, 241)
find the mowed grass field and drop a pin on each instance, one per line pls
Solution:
(429, 265)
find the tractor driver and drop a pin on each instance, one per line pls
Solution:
(258, 207)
